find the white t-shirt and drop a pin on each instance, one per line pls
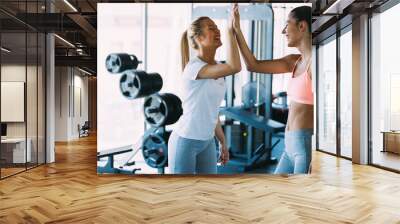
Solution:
(201, 99)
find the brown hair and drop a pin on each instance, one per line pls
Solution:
(302, 13)
(193, 32)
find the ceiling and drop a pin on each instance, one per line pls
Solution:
(76, 22)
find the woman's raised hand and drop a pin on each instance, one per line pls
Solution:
(235, 17)
(231, 17)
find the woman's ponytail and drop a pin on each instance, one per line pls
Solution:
(190, 35)
(184, 50)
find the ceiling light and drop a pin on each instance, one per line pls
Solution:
(5, 50)
(84, 71)
(337, 7)
(65, 41)
(70, 5)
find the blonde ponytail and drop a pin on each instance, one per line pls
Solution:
(184, 50)
(190, 35)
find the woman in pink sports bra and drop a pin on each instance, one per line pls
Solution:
(297, 155)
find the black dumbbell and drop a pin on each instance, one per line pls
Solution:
(135, 84)
(155, 149)
(162, 109)
(119, 62)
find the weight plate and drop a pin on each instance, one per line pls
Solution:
(155, 149)
(162, 109)
(113, 63)
(130, 84)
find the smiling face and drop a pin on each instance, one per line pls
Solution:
(210, 35)
(294, 31)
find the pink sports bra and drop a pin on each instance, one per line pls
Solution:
(300, 87)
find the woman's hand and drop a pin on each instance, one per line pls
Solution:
(224, 154)
(232, 65)
(235, 17)
(231, 17)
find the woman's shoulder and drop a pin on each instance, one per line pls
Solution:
(193, 67)
(195, 60)
(292, 58)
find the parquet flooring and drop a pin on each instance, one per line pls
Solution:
(70, 191)
(9, 171)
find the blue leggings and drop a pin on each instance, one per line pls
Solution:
(296, 158)
(189, 156)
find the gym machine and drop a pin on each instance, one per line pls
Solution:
(159, 110)
(249, 127)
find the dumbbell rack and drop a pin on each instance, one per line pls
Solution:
(159, 110)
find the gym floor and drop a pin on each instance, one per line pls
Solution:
(70, 191)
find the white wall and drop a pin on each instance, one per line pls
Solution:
(12, 101)
(61, 103)
(33, 126)
(12, 73)
(15, 73)
(80, 83)
(71, 87)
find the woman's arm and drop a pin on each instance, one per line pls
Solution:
(281, 65)
(232, 64)
(219, 133)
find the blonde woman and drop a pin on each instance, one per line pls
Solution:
(191, 147)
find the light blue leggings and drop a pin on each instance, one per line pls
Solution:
(189, 156)
(297, 155)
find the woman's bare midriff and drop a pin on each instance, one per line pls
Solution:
(301, 116)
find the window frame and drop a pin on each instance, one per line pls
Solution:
(335, 36)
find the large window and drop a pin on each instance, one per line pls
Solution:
(335, 73)
(166, 22)
(346, 92)
(120, 29)
(385, 89)
(22, 88)
(327, 96)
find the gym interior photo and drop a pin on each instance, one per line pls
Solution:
(254, 109)
(199, 112)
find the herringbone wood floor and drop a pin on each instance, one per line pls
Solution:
(70, 191)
